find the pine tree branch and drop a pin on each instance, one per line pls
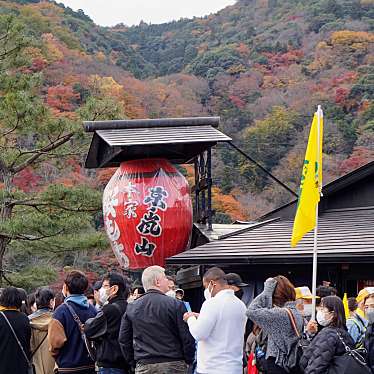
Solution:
(8, 52)
(31, 237)
(37, 153)
(14, 127)
(36, 205)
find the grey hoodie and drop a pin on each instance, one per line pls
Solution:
(275, 323)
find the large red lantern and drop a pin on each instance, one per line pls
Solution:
(147, 212)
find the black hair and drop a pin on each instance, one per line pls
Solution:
(171, 278)
(43, 297)
(89, 293)
(141, 290)
(76, 282)
(30, 302)
(323, 291)
(352, 304)
(116, 279)
(25, 307)
(215, 274)
(11, 297)
(335, 304)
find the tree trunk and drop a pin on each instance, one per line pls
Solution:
(5, 215)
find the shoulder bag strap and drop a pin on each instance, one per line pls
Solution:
(81, 330)
(346, 347)
(75, 317)
(18, 342)
(40, 344)
(293, 322)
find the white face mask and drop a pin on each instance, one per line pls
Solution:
(308, 308)
(103, 295)
(171, 293)
(208, 293)
(321, 318)
(370, 315)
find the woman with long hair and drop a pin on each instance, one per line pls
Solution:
(319, 355)
(275, 312)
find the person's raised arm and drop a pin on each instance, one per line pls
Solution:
(260, 310)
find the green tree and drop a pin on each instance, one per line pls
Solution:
(267, 142)
(54, 217)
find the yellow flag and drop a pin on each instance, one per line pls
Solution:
(346, 308)
(311, 182)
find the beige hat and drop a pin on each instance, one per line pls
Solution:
(304, 293)
(364, 293)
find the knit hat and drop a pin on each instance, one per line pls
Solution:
(304, 293)
(364, 293)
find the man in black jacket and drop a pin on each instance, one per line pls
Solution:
(153, 333)
(104, 328)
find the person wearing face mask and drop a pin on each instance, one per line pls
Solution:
(153, 336)
(104, 328)
(219, 328)
(304, 300)
(369, 337)
(235, 283)
(272, 311)
(39, 322)
(319, 355)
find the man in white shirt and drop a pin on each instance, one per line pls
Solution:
(219, 328)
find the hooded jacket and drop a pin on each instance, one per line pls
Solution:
(65, 339)
(41, 357)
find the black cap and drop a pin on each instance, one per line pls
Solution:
(234, 279)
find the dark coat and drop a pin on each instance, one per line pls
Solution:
(369, 345)
(11, 357)
(320, 353)
(65, 339)
(153, 330)
(108, 352)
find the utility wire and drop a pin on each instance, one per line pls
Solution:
(263, 169)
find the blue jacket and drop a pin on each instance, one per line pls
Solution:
(65, 339)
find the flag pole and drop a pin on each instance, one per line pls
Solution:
(315, 242)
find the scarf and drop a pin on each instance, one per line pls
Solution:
(2, 308)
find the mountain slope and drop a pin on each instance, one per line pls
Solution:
(262, 65)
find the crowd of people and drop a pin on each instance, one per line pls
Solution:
(115, 328)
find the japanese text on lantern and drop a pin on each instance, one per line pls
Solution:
(109, 207)
(151, 223)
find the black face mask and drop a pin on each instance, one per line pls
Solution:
(239, 294)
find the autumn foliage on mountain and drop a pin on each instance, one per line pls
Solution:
(263, 66)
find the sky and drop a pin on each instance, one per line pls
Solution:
(131, 12)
